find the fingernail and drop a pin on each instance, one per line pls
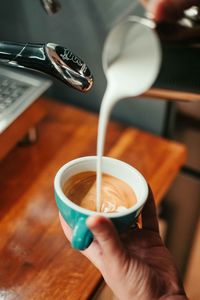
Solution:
(90, 223)
(95, 222)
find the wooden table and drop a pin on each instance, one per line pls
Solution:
(171, 95)
(23, 126)
(36, 261)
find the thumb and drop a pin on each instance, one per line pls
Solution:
(106, 236)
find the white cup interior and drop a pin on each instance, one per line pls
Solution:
(110, 166)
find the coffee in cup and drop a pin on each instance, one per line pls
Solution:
(116, 194)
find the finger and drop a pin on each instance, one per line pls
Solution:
(149, 216)
(106, 236)
(169, 10)
(93, 252)
(66, 228)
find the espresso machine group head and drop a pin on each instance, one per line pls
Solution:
(51, 6)
(52, 59)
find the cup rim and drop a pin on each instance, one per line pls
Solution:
(63, 197)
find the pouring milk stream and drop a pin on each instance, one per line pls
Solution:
(131, 62)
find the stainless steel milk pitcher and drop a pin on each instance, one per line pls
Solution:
(168, 53)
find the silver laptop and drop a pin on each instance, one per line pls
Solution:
(18, 90)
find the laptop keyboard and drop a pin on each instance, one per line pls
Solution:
(10, 91)
(18, 90)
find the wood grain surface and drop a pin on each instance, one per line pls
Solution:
(19, 128)
(171, 95)
(36, 261)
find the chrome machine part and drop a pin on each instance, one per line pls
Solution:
(51, 6)
(51, 59)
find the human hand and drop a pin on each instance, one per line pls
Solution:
(136, 264)
(168, 10)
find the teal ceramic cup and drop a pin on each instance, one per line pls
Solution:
(76, 216)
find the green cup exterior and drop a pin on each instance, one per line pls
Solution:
(82, 236)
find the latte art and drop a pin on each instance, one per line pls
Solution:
(116, 195)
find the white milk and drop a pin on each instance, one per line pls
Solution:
(131, 60)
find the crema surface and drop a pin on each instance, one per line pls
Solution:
(116, 195)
